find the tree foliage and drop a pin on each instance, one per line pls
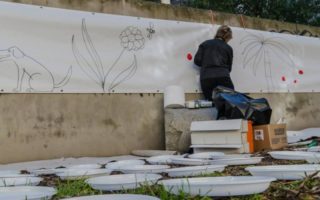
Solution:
(295, 11)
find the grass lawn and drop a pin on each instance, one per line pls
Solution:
(307, 189)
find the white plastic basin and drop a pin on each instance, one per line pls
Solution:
(26, 192)
(284, 172)
(139, 169)
(13, 174)
(292, 155)
(115, 197)
(218, 186)
(9, 172)
(189, 161)
(194, 170)
(123, 163)
(237, 161)
(162, 160)
(85, 166)
(19, 181)
(40, 172)
(228, 156)
(122, 182)
(205, 155)
(314, 159)
(72, 174)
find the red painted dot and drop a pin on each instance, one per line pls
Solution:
(283, 78)
(295, 81)
(189, 56)
(301, 72)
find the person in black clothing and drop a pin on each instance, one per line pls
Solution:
(215, 59)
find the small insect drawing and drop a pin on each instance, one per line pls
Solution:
(150, 30)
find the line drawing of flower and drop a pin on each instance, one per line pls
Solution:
(131, 40)
(259, 50)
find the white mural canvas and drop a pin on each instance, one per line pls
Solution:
(56, 50)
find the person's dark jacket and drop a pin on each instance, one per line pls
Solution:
(215, 59)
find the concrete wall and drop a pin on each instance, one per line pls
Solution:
(44, 126)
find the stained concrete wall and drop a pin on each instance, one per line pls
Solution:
(44, 126)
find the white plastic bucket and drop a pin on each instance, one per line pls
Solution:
(174, 97)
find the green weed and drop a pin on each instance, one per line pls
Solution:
(74, 188)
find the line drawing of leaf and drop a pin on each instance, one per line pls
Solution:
(93, 68)
(83, 63)
(113, 65)
(92, 50)
(125, 74)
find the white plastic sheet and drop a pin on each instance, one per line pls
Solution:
(55, 50)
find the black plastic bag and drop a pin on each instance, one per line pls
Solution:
(234, 105)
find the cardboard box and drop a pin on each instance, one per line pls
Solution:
(269, 137)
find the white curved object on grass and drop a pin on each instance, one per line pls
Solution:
(284, 172)
(194, 170)
(122, 182)
(189, 161)
(228, 156)
(26, 192)
(16, 175)
(5, 172)
(12, 174)
(40, 172)
(314, 149)
(314, 159)
(292, 155)
(118, 164)
(140, 169)
(149, 153)
(115, 197)
(218, 186)
(237, 161)
(71, 174)
(296, 136)
(19, 181)
(85, 166)
(162, 160)
(205, 155)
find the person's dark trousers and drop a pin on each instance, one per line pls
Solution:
(207, 85)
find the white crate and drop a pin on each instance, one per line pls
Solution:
(219, 125)
(218, 137)
(219, 132)
(228, 149)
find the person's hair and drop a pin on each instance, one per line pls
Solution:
(224, 32)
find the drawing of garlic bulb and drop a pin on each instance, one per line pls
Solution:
(131, 40)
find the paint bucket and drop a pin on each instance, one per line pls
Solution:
(174, 97)
(165, 1)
